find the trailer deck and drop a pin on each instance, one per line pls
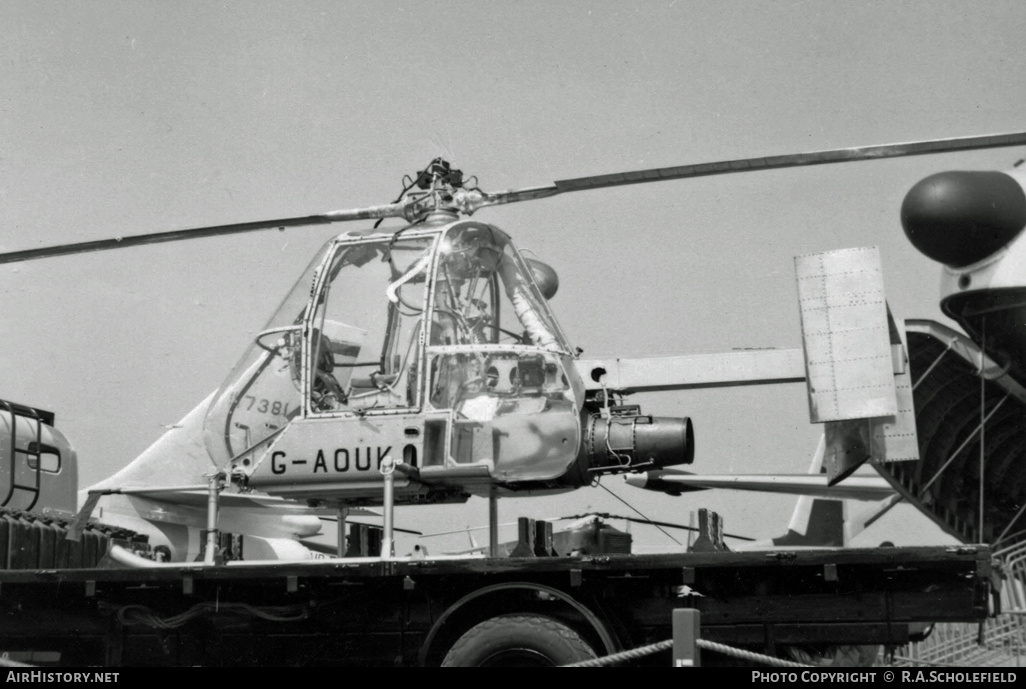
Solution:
(403, 611)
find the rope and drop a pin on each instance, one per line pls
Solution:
(642, 651)
(748, 655)
(631, 654)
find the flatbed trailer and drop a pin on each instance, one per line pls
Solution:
(432, 611)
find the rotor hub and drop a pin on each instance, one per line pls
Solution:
(437, 193)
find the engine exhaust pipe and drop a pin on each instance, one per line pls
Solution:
(622, 440)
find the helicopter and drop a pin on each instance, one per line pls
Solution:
(422, 357)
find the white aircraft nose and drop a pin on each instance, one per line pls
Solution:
(303, 526)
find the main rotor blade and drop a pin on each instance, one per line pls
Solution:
(387, 211)
(477, 199)
(368, 513)
(650, 522)
(836, 155)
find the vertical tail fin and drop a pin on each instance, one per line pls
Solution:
(823, 524)
(815, 521)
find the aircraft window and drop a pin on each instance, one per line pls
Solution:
(460, 380)
(364, 343)
(525, 308)
(48, 462)
(484, 295)
(261, 394)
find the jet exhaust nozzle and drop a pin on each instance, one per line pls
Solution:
(630, 442)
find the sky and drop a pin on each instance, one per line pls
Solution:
(121, 118)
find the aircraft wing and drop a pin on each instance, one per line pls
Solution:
(816, 485)
(196, 496)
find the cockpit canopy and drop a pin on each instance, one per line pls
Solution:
(372, 314)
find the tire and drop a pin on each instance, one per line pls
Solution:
(518, 641)
(837, 656)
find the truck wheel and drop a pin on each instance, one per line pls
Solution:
(518, 641)
(837, 656)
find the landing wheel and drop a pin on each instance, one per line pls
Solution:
(518, 641)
